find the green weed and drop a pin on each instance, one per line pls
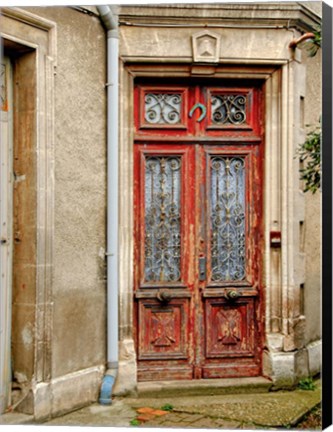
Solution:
(135, 422)
(307, 384)
(167, 407)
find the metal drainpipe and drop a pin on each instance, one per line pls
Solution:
(111, 25)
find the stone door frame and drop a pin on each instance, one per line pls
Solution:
(284, 88)
(31, 42)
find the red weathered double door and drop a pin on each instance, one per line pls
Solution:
(198, 234)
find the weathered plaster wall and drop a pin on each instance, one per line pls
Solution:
(311, 241)
(78, 340)
(312, 245)
(315, 6)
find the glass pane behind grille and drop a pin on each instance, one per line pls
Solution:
(227, 214)
(163, 108)
(228, 109)
(162, 220)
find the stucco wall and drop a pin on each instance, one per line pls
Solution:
(315, 6)
(312, 286)
(312, 225)
(78, 334)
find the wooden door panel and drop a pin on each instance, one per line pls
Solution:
(162, 372)
(230, 328)
(163, 329)
(229, 369)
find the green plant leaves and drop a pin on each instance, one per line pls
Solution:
(167, 407)
(307, 384)
(310, 154)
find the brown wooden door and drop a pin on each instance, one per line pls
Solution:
(198, 230)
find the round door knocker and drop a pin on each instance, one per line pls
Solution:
(232, 295)
(164, 296)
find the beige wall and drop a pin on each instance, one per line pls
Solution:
(316, 6)
(78, 335)
(312, 286)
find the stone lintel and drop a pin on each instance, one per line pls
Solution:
(291, 15)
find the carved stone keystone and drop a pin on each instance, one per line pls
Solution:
(206, 47)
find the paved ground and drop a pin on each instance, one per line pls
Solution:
(296, 409)
(272, 410)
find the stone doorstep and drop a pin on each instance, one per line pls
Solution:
(209, 387)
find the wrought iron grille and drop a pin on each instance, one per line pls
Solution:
(228, 109)
(162, 218)
(227, 213)
(163, 108)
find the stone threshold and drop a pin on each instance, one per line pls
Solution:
(207, 387)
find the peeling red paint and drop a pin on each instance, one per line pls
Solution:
(199, 332)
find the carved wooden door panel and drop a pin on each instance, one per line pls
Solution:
(198, 230)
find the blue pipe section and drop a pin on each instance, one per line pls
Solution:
(106, 390)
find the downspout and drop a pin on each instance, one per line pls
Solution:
(111, 25)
